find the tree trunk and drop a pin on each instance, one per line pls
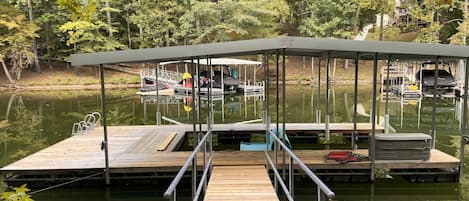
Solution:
(10, 79)
(49, 54)
(381, 31)
(31, 19)
(108, 17)
(128, 31)
(10, 103)
(357, 20)
(465, 15)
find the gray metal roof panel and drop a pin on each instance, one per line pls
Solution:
(295, 45)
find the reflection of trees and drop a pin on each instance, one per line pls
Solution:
(116, 116)
(464, 180)
(22, 131)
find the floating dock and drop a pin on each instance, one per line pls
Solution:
(153, 149)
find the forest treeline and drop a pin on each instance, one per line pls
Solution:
(53, 29)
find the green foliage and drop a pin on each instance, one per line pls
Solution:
(19, 194)
(80, 9)
(328, 18)
(88, 37)
(16, 37)
(460, 37)
(429, 12)
(233, 20)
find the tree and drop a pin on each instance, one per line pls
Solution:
(19, 194)
(233, 20)
(328, 18)
(383, 7)
(460, 37)
(16, 40)
(85, 31)
(28, 4)
(428, 12)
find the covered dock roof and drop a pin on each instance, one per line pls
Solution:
(337, 48)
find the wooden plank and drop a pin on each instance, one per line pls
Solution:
(134, 149)
(240, 183)
(166, 141)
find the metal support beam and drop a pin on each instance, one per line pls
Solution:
(327, 117)
(284, 137)
(435, 87)
(373, 117)
(104, 144)
(355, 102)
(386, 112)
(318, 110)
(277, 114)
(158, 114)
(464, 120)
(195, 141)
(284, 131)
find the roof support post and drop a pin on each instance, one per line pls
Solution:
(327, 117)
(265, 63)
(435, 87)
(277, 114)
(158, 114)
(104, 144)
(318, 110)
(464, 120)
(355, 102)
(195, 141)
(386, 110)
(373, 117)
(284, 131)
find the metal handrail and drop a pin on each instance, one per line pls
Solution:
(171, 190)
(328, 192)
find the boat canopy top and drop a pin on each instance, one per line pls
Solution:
(216, 62)
(295, 46)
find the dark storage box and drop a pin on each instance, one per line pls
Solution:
(403, 146)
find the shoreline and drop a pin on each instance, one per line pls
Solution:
(128, 86)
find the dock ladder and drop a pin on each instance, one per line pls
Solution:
(236, 180)
(90, 121)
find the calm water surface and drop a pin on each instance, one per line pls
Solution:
(39, 119)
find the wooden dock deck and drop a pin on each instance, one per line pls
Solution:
(240, 183)
(134, 149)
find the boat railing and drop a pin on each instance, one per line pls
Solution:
(322, 189)
(197, 189)
(163, 74)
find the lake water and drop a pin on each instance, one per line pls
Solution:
(39, 119)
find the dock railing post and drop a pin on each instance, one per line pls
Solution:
(464, 119)
(373, 117)
(104, 116)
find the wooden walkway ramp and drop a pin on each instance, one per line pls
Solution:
(240, 183)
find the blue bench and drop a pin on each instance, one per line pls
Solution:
(261, 146)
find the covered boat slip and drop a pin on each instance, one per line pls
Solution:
(282, 162)
(141, 149)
